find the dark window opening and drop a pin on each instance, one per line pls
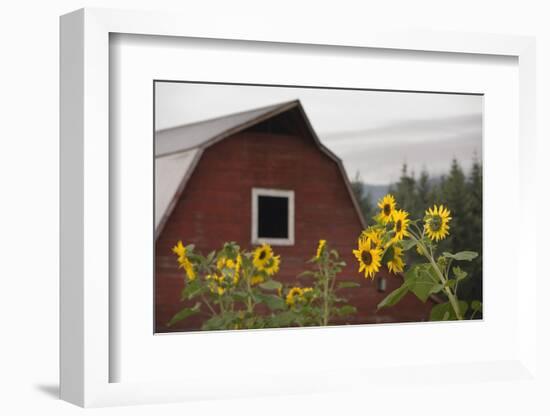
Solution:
(272, 217)
(280, 124)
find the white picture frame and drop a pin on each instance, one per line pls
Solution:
(85, 211)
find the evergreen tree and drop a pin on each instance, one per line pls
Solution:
(405, 192)
(474, 240)
(425, 195)
(454, 194)
(364, 198)
(463, 197)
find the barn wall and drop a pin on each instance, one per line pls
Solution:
(216, 207)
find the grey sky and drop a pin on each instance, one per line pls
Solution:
(374, 132)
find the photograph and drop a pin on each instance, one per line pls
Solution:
(295, 206)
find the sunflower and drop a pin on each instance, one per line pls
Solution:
(401, 224)
(256, 279)
(238, 265)
(183, 261)
(262, 255)
(375, 236)
(320, 249)
(215, 287)
(215, 277)
(396, 263)
(369, 257)
(296, 294)
(273, 266)
(387, 207)
(436, 222)
(179, 249)
(225, 262)
(215, 282)
(293, 294)
(233, 265)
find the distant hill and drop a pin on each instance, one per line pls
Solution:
(376, 191)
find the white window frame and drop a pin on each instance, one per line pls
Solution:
(256, 193)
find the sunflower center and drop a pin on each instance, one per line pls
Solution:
(262, 255)
(436, 223)
(366, 257)
(398, 226)
(387, 209)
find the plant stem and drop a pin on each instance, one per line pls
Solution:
(208, 304)
(325, 300)
(249, 299)
(448, 291)
(452, 297)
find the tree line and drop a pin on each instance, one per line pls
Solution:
(460, 191)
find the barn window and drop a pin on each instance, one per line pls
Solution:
(272, 216)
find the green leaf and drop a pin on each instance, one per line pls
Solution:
(451, 283)
(459, 273)
(394, 297)
(210, 257)
(388, 255)
(476, 305)
(282, 319)
(437, 288)
(272, 302)
(445, 311)
(461, 256)
(185, 313)
(347, 285)
(389, 234)
(422, 281)
(407, 244)
(307, 273)
(191, 289)
(346, 310)
(224, 320)
(213, 323)
(271, 285)
(239, 295)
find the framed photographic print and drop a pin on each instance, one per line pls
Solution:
(285, 236)
(271, 207)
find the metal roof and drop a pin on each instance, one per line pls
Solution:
(190, 136)
(170, 172)
(178, 150)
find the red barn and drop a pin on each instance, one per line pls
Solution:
(252, 177)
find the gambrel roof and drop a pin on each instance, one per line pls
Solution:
(178, 150)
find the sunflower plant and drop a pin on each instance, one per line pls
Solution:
(229, 286)
(319, 304)
(393, 233)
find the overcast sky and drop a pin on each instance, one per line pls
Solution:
(373, 132)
